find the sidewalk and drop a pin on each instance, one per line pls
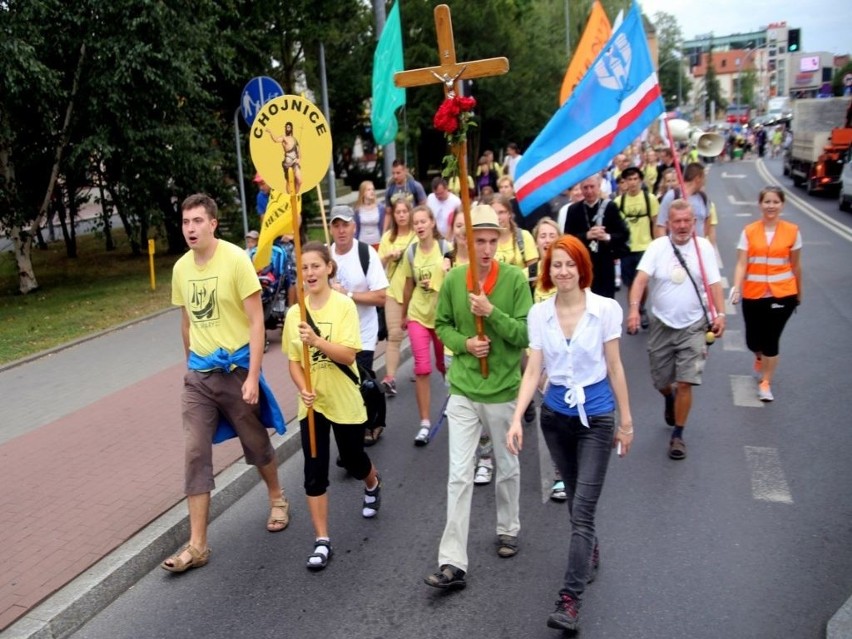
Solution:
(91, 452)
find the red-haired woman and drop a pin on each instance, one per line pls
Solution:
(574, 338)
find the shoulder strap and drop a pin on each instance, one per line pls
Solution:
(648, 212)
(621, 202)
(519, 237)
(412, 248)
(346, 370)
(364, 256)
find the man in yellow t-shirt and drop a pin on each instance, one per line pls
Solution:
(223, 336)
(639, 209)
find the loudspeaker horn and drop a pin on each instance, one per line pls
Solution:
(679, 130)
(708, 144)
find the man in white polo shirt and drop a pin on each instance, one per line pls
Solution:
(443, 204)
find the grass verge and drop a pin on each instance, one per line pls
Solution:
(76, 297)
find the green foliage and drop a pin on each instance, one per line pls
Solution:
(674, 82)
(837, 81)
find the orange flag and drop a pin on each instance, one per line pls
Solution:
(598, 30)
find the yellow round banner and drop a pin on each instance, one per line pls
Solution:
(290, 137)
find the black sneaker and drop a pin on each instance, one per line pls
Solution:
(447, 578)
(371, 508)
(594, 564)
(567, 613)
(668, 413)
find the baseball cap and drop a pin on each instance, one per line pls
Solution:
(342, 212)
(253, 234)
(482, 216)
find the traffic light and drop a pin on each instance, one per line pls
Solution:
(793, 40)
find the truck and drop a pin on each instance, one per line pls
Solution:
(822, 134)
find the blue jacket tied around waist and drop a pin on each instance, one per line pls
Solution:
(270, 413)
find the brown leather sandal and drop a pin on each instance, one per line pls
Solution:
(176, 564)
(276, 523)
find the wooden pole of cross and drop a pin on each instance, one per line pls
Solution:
(450, 73)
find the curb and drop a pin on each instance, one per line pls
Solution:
(840, 624)
(82, 599)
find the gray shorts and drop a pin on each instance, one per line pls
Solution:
(205, 396)
(676, 354)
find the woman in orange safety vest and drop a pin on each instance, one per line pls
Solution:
(768, 278)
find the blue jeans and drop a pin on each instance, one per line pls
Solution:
(582, 456)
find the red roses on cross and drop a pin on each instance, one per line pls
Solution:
(453, 114)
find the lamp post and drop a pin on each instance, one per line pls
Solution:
(679, 60)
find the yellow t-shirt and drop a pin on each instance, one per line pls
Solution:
(428, 265)
(540, 294)
(338, 398)
(635, 213)
(509, 252)
(396, 277)
(650, 172)
(213, 296)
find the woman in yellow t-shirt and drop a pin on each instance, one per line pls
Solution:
(509, 247)
(391, 251)
(332, 336)
(423, 266)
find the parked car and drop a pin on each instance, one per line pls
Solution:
(844, 199)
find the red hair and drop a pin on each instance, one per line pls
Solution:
(577, 251)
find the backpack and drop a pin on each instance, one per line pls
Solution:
(647, 210)
(371, 392)
(443, 246)
(364, 258)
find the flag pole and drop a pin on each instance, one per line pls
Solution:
(300, 297)
(710, 305)
(322, 214)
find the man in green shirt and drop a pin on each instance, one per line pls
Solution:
(476, 401)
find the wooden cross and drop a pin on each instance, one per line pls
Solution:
(450, 73)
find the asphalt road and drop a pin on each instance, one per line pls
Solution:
(747, 538)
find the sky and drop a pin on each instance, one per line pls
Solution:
(826, 24)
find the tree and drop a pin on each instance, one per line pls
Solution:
(711, 86)
(673, 78)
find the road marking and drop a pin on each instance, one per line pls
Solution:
(811, 211)
(733, 340)
(742, 214)
(767, 476)
(737, 202)
(723, 282)
(730, 309)
(744, 390)
(734, 176)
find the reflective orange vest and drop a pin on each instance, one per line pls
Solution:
(769, 266)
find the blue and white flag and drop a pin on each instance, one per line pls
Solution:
(614, 102)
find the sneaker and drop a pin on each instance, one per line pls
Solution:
(389, 386)
(764, 392)
(507, 546)
(447, 578)
(643, 319)
(422, 436)
(484, 471)
(529, 413)
(557, 491)
(567, 613)
(594, 564)
(372, 500)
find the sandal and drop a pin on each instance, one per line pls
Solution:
(370, 508)
(275, 523)
(507, 546)
(677, 449)
(372, 435)
(176, 564)
(320, 557)
(447, 578)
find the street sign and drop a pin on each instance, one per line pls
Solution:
(256, 93)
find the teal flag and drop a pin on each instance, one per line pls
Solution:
(387, 97)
